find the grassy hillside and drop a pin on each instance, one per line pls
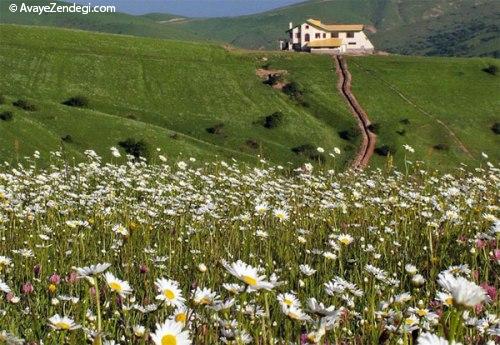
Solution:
(165, 92)
(444, 107)
(440, 27)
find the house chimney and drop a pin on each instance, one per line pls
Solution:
(290, 25)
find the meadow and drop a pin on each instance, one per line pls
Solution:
(189, 252)
(168, 93)
(206, 101)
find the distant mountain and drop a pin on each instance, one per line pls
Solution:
(423, 27)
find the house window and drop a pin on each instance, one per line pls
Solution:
(318, 35)
(307, 38)
(307, 26)
(335, 35)
(297, 35)
(352, 43)
(350, 35)
(324, 35)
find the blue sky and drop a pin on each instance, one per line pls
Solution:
(193, 8)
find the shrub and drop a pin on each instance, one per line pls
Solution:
(496, 128)
(216, 129)
(136, 148)
(374, 127)
(273, 120)
(2, 99)
(441, 147)
(405, 121)
(253, 144)
(272, 79)
(67, 138)
(6, 116)
(491, 69)
(77, 101)
(294, 92)
(385, 150)
(309, 151)
(25, 105)
(349, 134)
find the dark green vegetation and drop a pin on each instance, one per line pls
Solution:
(94, 91)
(446, 108)
(423, 27)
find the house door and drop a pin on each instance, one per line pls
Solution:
(307, 38)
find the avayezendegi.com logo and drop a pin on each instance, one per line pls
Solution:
(53, 7)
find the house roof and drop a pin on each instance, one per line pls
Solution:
(329, 42)
(335, 27)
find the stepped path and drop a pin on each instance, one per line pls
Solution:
(369, 138)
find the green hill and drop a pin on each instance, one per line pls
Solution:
(443, 107)
(202, 100)
(172, 94)
(440, 27)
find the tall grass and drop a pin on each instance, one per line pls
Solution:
(392, 256)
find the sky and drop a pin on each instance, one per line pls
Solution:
(193, 8)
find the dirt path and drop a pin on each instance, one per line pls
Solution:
(369, 138)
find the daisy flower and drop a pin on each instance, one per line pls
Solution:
(62, 323)
(91, 270)
(464, 292)
(119, 286)
(170, 333)
(288, 300)
(169, 292)
(249, 275)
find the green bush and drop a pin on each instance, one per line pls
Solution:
(253, 144)
(136, 148)
(496, 128)
(310, 151)
(405, 121)
(6, 116)
(441, 147)
(25, 105)
(374, 128)
(385, 150)
(67, 138)
(2, 99)
(274, 120)
(294, 92)
(77, 101)
(216, 129)
(349, 134)
(491, 69)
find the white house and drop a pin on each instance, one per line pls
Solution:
(316, 37)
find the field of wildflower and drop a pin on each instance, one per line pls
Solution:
(224, 253)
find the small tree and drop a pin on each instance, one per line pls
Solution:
(491, 69)
(77, 101)
(24, 104)
(136, 148)
(6, 116)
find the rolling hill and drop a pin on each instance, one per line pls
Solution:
(205, 101)
(196, 99)
(437, 27)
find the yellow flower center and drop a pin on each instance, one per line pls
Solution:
(288, 302)
(181, 317)
(409, 321)
(169, 340)
(115, 286)
(449, 300)
(169, 294)
(62, 325)
(294, 316)
(421, 312)
(249, 280)
(344, 241)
